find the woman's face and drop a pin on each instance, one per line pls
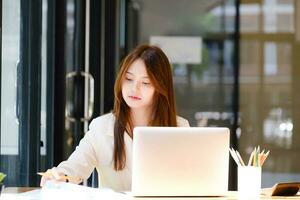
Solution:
(137, 89)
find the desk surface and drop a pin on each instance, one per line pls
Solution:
(232, 195)
(15, 190)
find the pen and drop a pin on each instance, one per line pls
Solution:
(264, 157)
(251, 158)
(240, 158)
(254, 156)
(65, 177)
(256, 159)
(234, 157)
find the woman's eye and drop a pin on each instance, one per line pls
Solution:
(128, 79)
(146, 83)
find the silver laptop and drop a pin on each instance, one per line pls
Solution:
(180, 161)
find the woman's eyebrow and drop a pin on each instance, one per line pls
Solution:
(130, 73)
(133, 75)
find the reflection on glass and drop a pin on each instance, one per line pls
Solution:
(272, 16)
(44, 78)
(250, 18)
(10, 59)
(268, 92)
(278, 16)
(205, 119)
(278, 128)
(270, 59)
(249, 60)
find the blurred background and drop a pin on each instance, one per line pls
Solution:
(234, 64)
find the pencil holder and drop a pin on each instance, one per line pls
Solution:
(249, 182)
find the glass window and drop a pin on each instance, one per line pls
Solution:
(203, 28)
(268, 88)
(18, 144)
(10, 60)
(44, 82)
(9, 89)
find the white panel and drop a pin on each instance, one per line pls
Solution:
(183, 50)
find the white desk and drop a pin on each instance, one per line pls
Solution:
(24, 193)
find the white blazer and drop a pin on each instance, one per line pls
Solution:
(95, 150)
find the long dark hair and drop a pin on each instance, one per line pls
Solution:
(164, 112)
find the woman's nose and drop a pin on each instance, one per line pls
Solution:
(136, 86)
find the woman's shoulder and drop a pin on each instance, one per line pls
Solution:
(103, 119)
(105, 123)
(181, 122)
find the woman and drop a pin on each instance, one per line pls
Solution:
(144, 96)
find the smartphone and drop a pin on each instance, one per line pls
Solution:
(285, 189)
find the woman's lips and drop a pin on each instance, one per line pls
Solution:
(135, 98)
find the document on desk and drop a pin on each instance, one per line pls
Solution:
(53, 190)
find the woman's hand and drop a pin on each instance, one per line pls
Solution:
(52, 174)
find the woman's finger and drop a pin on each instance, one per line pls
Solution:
(51, 174)
(44, 179)
(55, 173)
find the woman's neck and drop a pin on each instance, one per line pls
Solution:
(140, 117)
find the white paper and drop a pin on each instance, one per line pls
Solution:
(53, 190)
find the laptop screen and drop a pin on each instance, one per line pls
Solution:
(180, 161)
